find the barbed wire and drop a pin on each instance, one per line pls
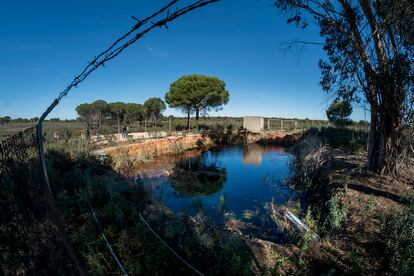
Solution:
(111, 250)
(168, 247)
(117, 47)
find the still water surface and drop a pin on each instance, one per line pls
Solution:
(236, 180)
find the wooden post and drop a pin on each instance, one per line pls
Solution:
(268, 124)
(281, 124)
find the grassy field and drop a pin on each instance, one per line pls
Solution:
(7, 130)
(72, 129)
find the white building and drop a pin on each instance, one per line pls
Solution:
(253, 123)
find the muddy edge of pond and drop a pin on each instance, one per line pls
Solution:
(129, 155)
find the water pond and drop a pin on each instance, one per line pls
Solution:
(239, 181)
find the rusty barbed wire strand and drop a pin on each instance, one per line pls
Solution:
(114, 50)
(22, 149)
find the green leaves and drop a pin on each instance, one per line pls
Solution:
(154, 108)
(338, 112)
(197, 93)
(135, 112)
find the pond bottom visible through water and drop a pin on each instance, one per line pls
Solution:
(237, 181)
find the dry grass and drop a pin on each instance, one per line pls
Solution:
(369, 198)
(357, 247)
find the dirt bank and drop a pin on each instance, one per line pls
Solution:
(127, 155)
(151, 148)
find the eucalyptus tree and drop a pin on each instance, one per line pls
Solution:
(369, 49)
(198, 93)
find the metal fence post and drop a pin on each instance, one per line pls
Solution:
(40, 141)
(59, 222)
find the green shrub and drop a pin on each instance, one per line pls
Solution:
(344, 138)
(307, 237)
(367, 207)
(337, 215)
(358, 263)
(77, 178)
(398, 235)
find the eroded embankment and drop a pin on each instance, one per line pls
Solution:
(125, 156)
(129, 155)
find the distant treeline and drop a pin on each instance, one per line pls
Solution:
(306, 121)
(7, 119)
(100, 112)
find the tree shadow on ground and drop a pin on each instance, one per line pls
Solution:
(371, 191)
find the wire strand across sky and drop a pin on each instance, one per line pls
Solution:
(45, 44)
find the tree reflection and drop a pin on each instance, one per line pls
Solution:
(192, 176)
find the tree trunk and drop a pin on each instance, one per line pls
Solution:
(384, 142)
(188, 119)
(119, 125)
(197, 117)
(87, 131)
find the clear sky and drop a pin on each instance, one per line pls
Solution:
(44, 44)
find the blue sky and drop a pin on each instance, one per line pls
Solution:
(44, 44)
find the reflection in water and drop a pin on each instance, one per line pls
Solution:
(252, 154)
(164, 164)
(223, 181)
(192, 176)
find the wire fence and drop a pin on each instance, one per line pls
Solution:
(33, 237)
(169, 248)
(281, 124)
(108, 245)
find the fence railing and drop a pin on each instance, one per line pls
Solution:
(33, 238)
(281, 124)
